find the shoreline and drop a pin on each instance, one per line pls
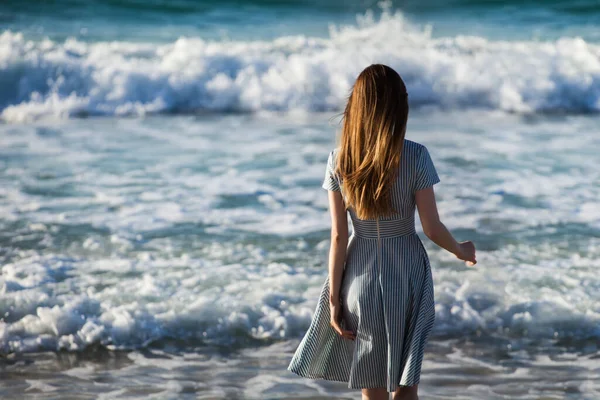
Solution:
(449, 371)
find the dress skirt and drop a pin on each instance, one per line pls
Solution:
(387, 300)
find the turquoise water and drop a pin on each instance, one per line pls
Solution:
(160, 169)
(167, 20)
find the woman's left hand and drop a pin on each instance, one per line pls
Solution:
(335, 310)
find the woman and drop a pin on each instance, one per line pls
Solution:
(376, 308)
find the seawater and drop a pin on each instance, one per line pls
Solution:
(160, 189)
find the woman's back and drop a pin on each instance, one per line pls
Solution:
(416, 172)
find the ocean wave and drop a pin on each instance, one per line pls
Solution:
(75, 78)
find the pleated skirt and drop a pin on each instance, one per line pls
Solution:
(387, 300)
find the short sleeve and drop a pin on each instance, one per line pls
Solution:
(331, 182)
(426, 175)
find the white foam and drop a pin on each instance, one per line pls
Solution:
(185, 299)
(167, 303)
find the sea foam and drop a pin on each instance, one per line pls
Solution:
(196, 301)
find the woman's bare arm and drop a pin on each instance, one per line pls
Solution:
(435, 230)
(337, 260)
(339, 243)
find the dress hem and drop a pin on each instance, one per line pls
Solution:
(336, 379)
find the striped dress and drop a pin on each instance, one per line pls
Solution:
(386, 293)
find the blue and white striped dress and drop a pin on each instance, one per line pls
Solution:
(386, 293)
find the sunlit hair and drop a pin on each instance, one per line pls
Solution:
(374, 125)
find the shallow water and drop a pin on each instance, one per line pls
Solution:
(451, 370)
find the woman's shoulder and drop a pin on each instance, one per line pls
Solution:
(332, 159)
(410, 146)
(333, 155)
(413, 147)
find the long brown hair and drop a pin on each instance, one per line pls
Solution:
(374, 125)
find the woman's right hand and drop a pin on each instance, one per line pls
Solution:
(335, 309)
(467, 253)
